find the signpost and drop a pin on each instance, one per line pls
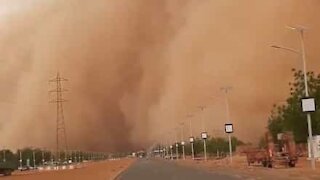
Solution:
(309, 106)
(228, 128)
(204, 136)
(171, 156)
(177, 151)
(183, 152)
(191, 139)
(20, 159)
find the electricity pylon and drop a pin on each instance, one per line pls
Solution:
(61, 136)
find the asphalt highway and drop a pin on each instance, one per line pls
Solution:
(165, 170)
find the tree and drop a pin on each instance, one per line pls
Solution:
(214, 145)
(290, 117)
(9, 157)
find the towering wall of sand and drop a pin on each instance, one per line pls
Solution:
(137, 68)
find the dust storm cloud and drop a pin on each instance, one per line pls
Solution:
(137, 68)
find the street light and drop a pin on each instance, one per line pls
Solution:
(171, 154)
(42, 153)
(34, 159)
(302, 53)
(4, 155)
(286, 48)
(191, 139)
(182, 142)
(20, 159)
(165, 145)
(79, 156)
(226, 90)
(51, 157)
(177, 150)
(176, 130)
(204, 133)
(65, 155)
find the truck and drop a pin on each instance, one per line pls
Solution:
(282, 153)
(6, 168)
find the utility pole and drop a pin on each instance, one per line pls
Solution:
(4, 155)
(42, 154)
(177, 144)
(34, 159)
(20, 160)
(79, 156)
(65, 155)
(204, 133)
(226, 90)
(302, 53)
(191, 139)
(61, 136)
(182, 141)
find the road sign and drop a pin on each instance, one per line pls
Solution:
(228, 128)
(204, 135)
(191, 139)
(308, 105)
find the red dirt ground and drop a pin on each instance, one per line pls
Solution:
(106, 170)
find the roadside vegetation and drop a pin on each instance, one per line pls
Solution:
(288, 116)
(216, 146)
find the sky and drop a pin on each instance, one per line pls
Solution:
(137, 69)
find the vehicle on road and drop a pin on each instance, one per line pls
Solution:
(6, 168)
(282, 153)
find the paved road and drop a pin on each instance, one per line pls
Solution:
(164, 170)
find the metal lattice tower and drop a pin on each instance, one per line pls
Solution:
(61, 135)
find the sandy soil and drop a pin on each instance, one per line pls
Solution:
(239, 168)
(95, 171)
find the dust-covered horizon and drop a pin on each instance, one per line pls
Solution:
(136, 69)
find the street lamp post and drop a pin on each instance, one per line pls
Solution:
(176, 130)
(192, 146)
(42, 153)
(79, 156)
(4, 155)
(183, 151)
(20, 160)
(182, 141)
(177, 150)
(51, 157)
(204, 136)
(191, 136)
(302, 53)
(65, 155)
(75, 156)
(226, 90)
(34, 159)
(203, 133)
(171, 154)
(166, 147)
